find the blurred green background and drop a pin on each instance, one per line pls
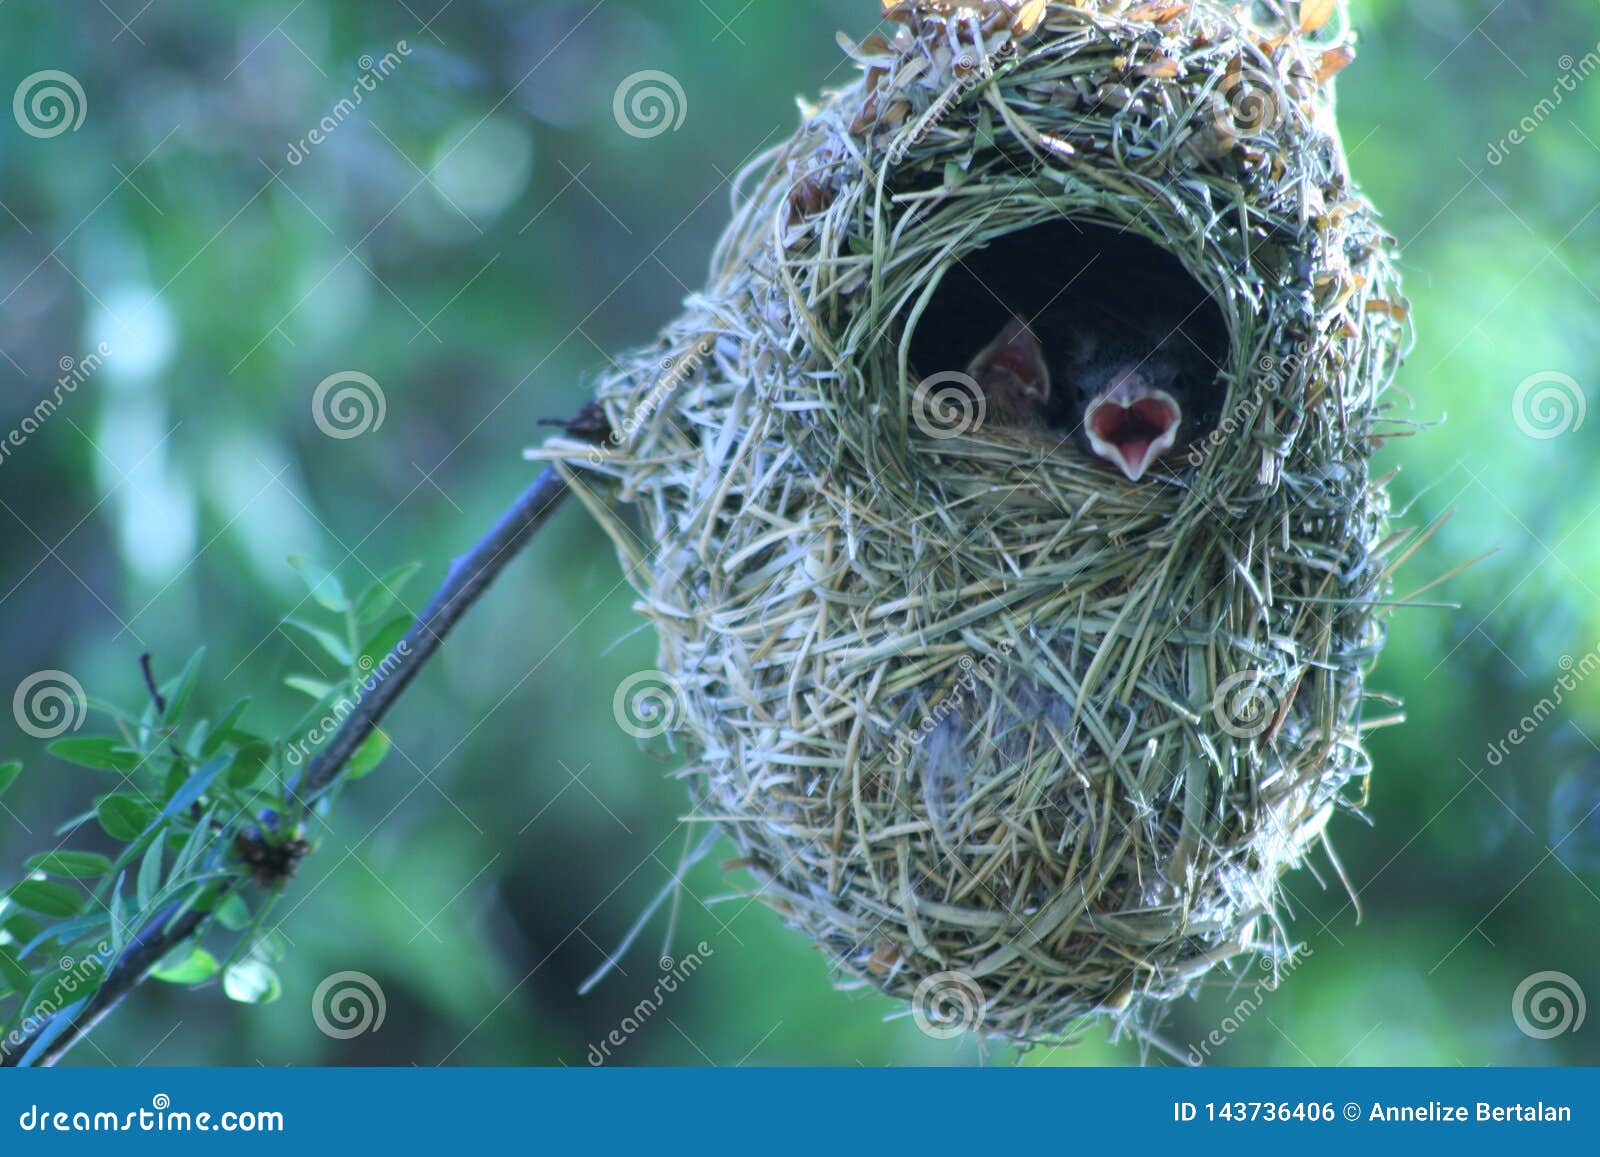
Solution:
(476, 237)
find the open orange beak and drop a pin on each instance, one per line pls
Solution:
(1132, 425)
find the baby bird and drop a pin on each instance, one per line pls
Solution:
(1136, 391)
(1135, 396)
(1013, 376)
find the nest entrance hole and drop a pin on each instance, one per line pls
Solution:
(1070, 281)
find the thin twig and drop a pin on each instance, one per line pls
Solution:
(470, 575)
(150, 684)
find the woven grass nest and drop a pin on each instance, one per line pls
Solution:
(1005, 734)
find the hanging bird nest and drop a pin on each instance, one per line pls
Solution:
(1006, 734)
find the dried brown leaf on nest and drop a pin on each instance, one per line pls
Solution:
(1157, 690)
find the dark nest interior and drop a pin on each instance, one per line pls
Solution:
(1068, 280)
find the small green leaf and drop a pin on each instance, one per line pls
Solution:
(72, 982)
(70, 865)
(120, 918)
(183, 687)
(124, 817)
(187, 966)
(13, 975)
(195, 787)
(247, 765)
(64, 932)
(251, 982)
(148, 884)
(269, 946)
(67, 826)
(326, 639)
(19, 926)
(8, 774)
(203, 842)
(233, 913)
(221, 733)
(323, 584)
(315, 688)
(384, 593)
(99, 754)
(47, 898)
(367, 757)
(177, 776)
